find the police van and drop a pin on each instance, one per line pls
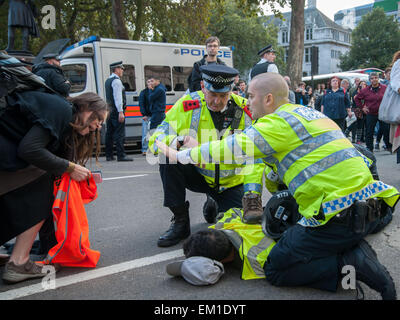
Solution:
(87, 65)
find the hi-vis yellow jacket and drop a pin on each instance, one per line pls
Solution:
(311, 155)
(190, 116)
(249, 240)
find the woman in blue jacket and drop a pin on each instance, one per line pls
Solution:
(336, 104)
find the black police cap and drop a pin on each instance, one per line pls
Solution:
(266, 49)
(117, 65)
(51, 56)
(217, 77)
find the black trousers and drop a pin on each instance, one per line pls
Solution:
(371, 121)
(307, 256)
(176, 178)
(115, 133)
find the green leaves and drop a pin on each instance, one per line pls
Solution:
(374, 41)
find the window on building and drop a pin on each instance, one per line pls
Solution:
(309, 33)
(163, 72)
(180, 76)
(307, 55)
(129, 78)
(76, 74)
(285, 36)
(286, 55)
(335, 54)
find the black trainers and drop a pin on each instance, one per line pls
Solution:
(210, 210)
(179, 228)
(369, 270)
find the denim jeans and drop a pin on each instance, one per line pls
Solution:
(145, 129)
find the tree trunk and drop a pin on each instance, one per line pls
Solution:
(139, 19)
(118, 20)
(296, 46)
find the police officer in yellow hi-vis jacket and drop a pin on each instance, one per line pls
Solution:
(207, 115)
(339, 200)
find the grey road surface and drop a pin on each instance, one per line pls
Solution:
(125, 222)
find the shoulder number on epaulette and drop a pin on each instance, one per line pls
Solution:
(190, 105)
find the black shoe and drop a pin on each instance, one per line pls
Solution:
(179, 229)
(110, 158)
(125, 159)
(369, 270)
(210, 210)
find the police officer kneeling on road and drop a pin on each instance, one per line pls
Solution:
(208, 115)
(339, 200)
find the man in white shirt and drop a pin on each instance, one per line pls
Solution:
(267, 62)
(116, 99)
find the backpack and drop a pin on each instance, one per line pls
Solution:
(15, 77)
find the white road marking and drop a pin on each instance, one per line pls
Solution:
(90, 275)
(125, 177)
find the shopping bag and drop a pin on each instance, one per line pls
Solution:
(389, 110)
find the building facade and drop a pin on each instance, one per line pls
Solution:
(349, 18)
(331, 39)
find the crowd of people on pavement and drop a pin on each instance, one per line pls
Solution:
(325, 190)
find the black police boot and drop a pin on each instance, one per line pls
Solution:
(369, 270)
(210, 210)
(179, 229)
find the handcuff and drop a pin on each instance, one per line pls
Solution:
(180, 140)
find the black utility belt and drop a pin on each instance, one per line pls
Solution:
(359, 214)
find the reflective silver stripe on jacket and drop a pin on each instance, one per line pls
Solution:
(253, 253)
(211, 173)
(196, 113)
(259, 141)
(247, 120)
(321, 166)
(308, 146)
(165, 130)
(296, 125)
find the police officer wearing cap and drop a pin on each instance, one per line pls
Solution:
(267, 62)
(51, 72)
(116, 99)
(210, 114)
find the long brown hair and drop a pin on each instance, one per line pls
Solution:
(82, 146)
(396, 56)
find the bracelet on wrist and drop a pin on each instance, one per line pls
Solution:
(71, 167)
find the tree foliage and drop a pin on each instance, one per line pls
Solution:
(247, 34)
(236, 22)
(374, 41)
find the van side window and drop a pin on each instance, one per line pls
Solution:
(180, 76)
(163, 72)
(129, 78)
(76, 74)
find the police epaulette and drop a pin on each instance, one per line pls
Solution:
(190, 105)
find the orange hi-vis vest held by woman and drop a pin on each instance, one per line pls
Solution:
(71, 225)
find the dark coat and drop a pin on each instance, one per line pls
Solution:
(54, 77)
(195, 77)
(335, 104)
(158, 99)
(144, 102)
